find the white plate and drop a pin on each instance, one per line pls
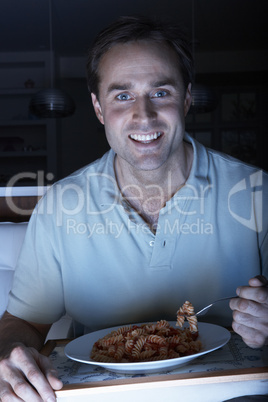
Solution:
(212, 337)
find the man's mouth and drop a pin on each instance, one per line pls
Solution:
(145, 138)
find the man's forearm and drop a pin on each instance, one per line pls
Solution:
(25, 374)
(14, 331)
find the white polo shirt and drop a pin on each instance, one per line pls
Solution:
(88, 253)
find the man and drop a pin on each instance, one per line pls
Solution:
(157, 221)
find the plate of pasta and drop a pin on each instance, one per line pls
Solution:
(153, 347)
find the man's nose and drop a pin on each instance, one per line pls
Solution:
(144, 110)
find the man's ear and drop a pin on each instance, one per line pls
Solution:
(97, 107)
(188, 99)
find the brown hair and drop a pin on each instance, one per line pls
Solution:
(127, 29)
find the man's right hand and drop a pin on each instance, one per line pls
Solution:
(26, 375)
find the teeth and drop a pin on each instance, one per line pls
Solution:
(148, 137)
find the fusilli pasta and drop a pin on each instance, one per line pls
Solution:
(149, 342)
(187, 311)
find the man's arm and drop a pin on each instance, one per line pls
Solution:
(22, 365)
(250, 316)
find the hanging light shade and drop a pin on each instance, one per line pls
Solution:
(52, 103)
(204, 99)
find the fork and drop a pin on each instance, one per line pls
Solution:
(204, 310)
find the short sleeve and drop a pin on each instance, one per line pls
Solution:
(37, 291)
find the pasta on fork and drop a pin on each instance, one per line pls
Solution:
(187, 311)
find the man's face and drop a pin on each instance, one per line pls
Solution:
(142, 104)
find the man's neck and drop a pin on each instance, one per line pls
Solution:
(148, 192)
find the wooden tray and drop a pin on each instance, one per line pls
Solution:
(254, 377)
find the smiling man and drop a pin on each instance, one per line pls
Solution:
(158, 220)
(142, 103)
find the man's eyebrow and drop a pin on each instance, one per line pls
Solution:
(118, 87)
(165, 82)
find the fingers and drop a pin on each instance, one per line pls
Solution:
(252, 337)
(13, 385)
(23, 378)
(250, 316)
(49, 372)
(257, 293)
(258, 324)
(250, 307)
(259, 280)
(6, 393)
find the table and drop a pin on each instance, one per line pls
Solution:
(228, 372)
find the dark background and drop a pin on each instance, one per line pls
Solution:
(231, 44)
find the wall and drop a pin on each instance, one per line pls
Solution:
(81, 136)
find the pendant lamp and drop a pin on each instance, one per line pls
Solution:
(51, 102)
(203, 98)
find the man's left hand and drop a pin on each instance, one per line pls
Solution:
(250, 312)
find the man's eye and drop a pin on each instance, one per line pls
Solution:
(123, 97)
(160, 94)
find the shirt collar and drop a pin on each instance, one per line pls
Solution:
(108, 187)
(110, 193)
(197, 181)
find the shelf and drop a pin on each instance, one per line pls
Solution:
(23, 122)
(22, 154)
(27, 143)
(18, 91)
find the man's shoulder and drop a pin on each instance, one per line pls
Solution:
(100, 167)
(77, 183)
(103, 164)
(228, 164)
(213, 164)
